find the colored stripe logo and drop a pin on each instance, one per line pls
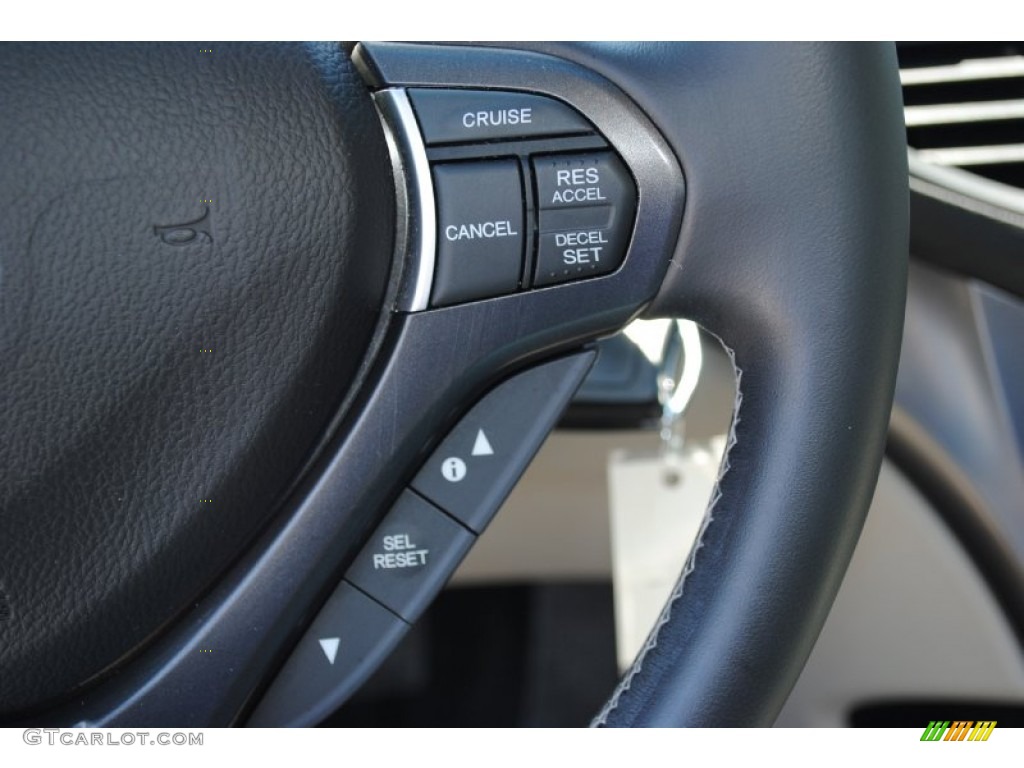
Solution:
(958, 730)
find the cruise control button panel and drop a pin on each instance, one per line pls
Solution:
(462, 116)
(527, 195)
(410, 556)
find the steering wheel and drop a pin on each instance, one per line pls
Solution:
(243, 345)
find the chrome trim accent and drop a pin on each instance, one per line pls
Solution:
(416, 235)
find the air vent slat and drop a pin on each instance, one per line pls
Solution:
(976, 112)
(964, 91)
(971, 69)
(961, 156)
(964, 106)
(931, 54)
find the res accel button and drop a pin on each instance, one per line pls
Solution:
(461, 116)
(480, 230)
(586, 206)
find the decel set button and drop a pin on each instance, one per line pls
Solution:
(586, 204)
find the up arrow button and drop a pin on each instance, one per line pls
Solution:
(482, 446)
(517, 414)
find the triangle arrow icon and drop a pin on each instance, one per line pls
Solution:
(330, 647)
(482, 446)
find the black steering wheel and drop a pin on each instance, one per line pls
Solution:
(245, 342)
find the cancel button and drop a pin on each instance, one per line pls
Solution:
(480, 230)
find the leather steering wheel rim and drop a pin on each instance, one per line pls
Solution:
(792, 250)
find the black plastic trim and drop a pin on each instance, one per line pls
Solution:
(521, 148)
(977, 238)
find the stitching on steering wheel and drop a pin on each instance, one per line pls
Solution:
(666, 613)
